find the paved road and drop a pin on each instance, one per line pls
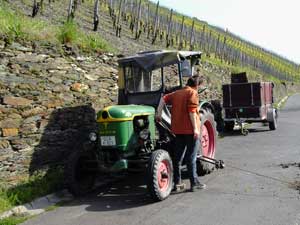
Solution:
(259, 194)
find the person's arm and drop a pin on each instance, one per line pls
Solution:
(193, 104)
(193, 118)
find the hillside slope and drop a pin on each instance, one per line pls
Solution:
(166, 28)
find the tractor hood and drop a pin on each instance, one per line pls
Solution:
(121, 113)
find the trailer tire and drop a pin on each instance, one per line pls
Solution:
(160, 175)
(208, 134)
(273, 122)
(79, 181)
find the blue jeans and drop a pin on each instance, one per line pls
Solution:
(186, 147)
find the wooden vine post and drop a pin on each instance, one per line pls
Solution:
(217, 46)
(118, 24)
(42, 6)
(35, 8)
(110, 8)
(138, 30)
(209, 43)
(71, 10)
(223, 55)
(169, 29)
(148, 21)
(181, 33)
(155, 32)
(192, 37)
(96, 15)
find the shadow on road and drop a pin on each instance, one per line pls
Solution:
(126, 193)
(129, 192)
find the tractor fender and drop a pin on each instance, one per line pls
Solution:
(206, 105)
(271, 114)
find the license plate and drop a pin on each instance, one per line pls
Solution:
(108, 140)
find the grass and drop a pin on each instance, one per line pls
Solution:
(13, 220)
(17, 27)
(36, 186)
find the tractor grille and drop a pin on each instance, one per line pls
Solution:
(111, 156)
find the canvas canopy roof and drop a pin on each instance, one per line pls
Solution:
(156, 59)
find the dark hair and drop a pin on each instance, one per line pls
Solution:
(195, 80)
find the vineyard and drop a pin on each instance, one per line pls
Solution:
(134, 25)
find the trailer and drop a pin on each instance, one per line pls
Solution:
(246, 102)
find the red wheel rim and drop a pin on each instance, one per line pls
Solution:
(208, 140)
(163, 175)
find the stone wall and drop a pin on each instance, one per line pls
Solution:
(47, 102)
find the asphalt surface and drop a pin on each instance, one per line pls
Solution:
(256, 187)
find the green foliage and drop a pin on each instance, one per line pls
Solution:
(17, 27)
(93, 42)
(36, 186)
(13, 220)
(68, 32)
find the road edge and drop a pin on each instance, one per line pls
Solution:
(38, 205)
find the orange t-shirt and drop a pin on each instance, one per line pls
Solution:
(183, 101)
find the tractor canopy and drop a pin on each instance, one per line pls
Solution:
(156, 59)
(144, 77)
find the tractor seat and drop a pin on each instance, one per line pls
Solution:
(164, 127)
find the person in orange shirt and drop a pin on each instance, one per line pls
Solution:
(185, 124)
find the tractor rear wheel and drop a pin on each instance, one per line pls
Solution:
(80, 172)
(160, 175)
(208, 134)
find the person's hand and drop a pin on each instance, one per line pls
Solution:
(196, 134)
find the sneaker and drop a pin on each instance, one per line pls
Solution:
(197, 186)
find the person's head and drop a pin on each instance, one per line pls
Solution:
(195, 81)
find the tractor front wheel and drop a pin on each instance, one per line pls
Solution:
(208, 134)
(160, 175)
(80, 174)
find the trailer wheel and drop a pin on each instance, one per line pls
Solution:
(208, 142)
(79, 177)
(229, 125)
(160, 175)
(273, 122)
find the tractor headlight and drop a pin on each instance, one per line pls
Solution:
(144, 134)
(93, 136)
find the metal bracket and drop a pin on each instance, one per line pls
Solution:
(218, 163)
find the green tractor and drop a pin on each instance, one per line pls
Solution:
(128, 138)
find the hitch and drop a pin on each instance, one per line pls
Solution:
(244, 129)
(218, 163)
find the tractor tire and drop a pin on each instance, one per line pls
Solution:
(273, 123)
(160, 175)
(80, 180)
(228, 126)
(208, 134)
